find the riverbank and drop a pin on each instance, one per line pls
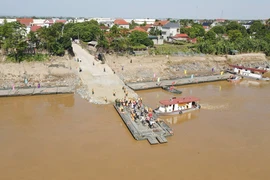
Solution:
(146, 68)
(58, 71)
(136, 72)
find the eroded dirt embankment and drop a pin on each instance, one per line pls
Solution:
(55, 72)
(145, 68)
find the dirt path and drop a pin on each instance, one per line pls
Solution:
(94, 77)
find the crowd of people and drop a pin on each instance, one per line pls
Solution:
(138, 112)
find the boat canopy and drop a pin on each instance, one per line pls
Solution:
(178, 100)
(251, 69)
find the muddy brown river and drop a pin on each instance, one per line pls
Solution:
(63, 137)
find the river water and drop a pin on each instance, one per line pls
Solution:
(63, 137)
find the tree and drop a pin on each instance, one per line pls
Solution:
(234, 35)
(140, 38)
(155, 31)
(132, 25)
(219, 30)
(196, 30)
(233, 25)
(33, 41)
(210, 35)
(103, 42)
(256, 27)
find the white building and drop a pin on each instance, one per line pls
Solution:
(121, 23)
(109, 22)
(170, 29)
(76, 20)
(8, 20)
(38, 22)
(141, 21)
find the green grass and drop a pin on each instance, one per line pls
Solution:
(29, 58)
(168, 49)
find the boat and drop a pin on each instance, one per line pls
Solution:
(246, 72)
(234, 79)
(175, 106)
(171, 89)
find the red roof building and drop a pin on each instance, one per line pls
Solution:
(181, 36)
(25, 21)
(48, 21)
(35, 28)
(61, 21)
(161, 23)
(105, 28)
(179, 101)
(147, 27)
(120, 22)
(138, 28)
(220, 20)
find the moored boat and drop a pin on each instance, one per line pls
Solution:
(253, 73)
(175, 105)
(234, 79)
(171, 89)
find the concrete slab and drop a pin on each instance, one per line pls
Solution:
(177, 82)
(24, 91)
(4, 92)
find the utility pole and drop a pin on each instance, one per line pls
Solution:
(221, 14)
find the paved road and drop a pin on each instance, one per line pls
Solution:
(103, 83)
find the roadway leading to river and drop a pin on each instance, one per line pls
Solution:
(94, 77)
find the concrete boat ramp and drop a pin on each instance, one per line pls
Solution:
(177, 82)
(141, 130)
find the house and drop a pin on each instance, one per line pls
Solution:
(247, 25)
(34, 28)
(192, 40)
(138, 28)
(225, 36)
(109, 22)
(206, 26)
(76, 20)
(160, 24)
(121, 23)
(8, 20)
(180, 37)
(157, 40)
(48, 22)
(25, 21)
(142, 21)
(38, 22)
(220, 20)
(147, 27)
(170, 29)
(183, 37)
(60, 21)
(104, 28)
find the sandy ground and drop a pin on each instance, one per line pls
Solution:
(146, 68)
(54, 72)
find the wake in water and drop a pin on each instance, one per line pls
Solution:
(215, 107)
